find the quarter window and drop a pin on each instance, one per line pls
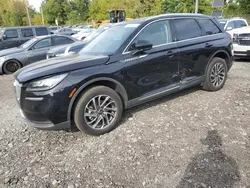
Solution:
(187, 29)
(43, 43)
(11, 33)
(208, 26)
(27, 32)
(40, 31)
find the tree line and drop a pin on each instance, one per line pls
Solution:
(70, 12)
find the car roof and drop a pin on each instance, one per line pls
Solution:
(230, 19)
(23, 27)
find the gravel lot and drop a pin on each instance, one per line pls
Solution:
(190, 139)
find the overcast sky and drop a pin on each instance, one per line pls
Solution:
(36, 4)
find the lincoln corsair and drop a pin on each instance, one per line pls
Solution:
(126, 65)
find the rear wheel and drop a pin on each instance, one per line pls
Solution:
(11, 67)
(98, 111)
(216, 75)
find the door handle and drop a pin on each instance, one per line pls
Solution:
(170, 54)
(208, 45)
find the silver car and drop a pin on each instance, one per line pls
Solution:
(32, 51)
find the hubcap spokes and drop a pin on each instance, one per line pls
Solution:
(100, 111)
(12, 67)
(217, 76)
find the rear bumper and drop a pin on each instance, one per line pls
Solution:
(46, 125)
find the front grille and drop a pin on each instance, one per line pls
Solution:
(244, 35)
(18, 88)
(244, 42)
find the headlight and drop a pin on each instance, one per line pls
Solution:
(46, 84)
(235, 38)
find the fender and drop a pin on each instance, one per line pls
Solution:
(219, 51)
(120, 89)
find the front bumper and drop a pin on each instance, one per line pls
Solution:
(241, 51)
(46, 125)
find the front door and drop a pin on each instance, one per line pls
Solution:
(39, 50)
(153, 71)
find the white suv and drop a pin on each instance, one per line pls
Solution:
(231, 24)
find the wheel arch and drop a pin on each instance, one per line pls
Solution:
(105, 81)
(221, 54)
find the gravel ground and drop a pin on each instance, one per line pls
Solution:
(190, 139)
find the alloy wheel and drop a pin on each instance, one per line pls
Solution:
(218, 73)
(100, 112)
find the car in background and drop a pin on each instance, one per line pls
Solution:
(124, 66)
(65, 50)
(241, 43)
(68, 49)
(32, 51)
(81, 35)
(15, 36)
(64, 31)
(54, 29)
(83, 28)
(233, 23)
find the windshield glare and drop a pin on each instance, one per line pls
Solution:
(28, 43)
(109, 41)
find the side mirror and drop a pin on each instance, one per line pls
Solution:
(4, 37)
(143, 45)
(229, 28)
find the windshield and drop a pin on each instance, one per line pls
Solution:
(110, 40)
(222, 24)
(94, 34)
(28, 43)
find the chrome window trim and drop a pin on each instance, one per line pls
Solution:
(176, 42)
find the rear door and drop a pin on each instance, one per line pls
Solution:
(39, 50)
(12, 38)
(155, 71)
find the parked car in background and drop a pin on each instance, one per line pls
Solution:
(54, 29)
(233, 23)
(64, 31)
(32, 51)
(124, 66)
(65, 50)
(81, 35)
(15, 36)
(83, 28)
(75, 48)
(241, 42)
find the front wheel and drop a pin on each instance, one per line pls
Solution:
(11, 67)
(98, 111)
(216, 75)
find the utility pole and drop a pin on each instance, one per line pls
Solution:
(28, 15)
(42, 15)
(196, 6)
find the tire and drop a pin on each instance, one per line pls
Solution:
(11, 66)
(90, 117)
(216, 75)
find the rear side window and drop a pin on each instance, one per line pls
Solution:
(187, 29)
(11, 33)
(27, 32)
(61, 40)
(40, 31)
(240, 23)
(208, 26)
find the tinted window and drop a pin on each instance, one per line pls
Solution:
(240, 23)
(208, 26)
(76, 49)
(156, 33)
(230, 25)
(27, 32)
(11, 33)
(187, 29)
(40, 31)
(61, 40)
(43, 43)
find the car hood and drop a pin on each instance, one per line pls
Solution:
(10, 51)
(241, 30)
(58, 65)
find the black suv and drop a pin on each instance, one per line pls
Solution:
(126, 65)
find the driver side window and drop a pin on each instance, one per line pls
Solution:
(43, 43)
(157, 33)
